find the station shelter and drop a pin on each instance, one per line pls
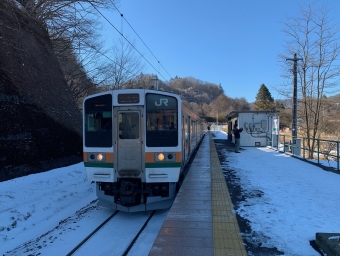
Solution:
(260, 127)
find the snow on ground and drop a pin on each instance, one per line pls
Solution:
(49, 213)
(298, 200)
(33, 205)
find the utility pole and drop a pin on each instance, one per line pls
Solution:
(294, 126)
(217, 117)
(156, 83)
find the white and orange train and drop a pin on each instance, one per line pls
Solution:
(136, 143)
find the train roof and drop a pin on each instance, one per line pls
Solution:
(133, 90)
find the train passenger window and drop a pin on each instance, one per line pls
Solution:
(161, 121)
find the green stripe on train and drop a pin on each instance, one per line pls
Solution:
(99, 165)
(147, 165)
(163, 165)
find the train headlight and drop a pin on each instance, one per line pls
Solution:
(96, 157)
(165, 157)
(100, 157)
(160, 157)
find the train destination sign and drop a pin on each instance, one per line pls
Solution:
(128, 98)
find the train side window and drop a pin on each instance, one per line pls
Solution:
(193, 130)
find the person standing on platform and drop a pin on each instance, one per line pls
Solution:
(237, 138)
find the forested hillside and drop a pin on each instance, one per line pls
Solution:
(206, 99)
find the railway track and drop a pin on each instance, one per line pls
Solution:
(116, 235)
(90, 235)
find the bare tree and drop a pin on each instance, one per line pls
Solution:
(74, 20)
(220, 107)
(195, 107)
(124, 64)
(76, 77)
(312, 36)
(190, 87)
(59, 15)
(202, 97)
(206, 109)
(141, 81)
(73, 27)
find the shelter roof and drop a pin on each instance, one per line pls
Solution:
(236, 113)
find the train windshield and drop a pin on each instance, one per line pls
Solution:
(161, 121)
(98, 121)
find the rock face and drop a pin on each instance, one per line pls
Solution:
(40, 124)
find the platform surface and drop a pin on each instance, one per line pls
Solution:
(201, 220)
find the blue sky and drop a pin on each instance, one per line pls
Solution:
(232, 43)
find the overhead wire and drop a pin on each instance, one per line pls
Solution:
(95, 49)
(91, 46)
(140, 38)
(128, 41)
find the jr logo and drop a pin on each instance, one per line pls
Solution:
(161, 102)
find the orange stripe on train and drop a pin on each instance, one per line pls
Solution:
(109, 156)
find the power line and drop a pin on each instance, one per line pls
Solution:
(140, 38)
(121, 66)
(128, 41)
(91, 46)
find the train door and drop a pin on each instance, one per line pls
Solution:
(183, 134)
(189, 135)
(128, 142)
(184, 144)
(186, 137)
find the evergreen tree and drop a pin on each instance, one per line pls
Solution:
(264, 100)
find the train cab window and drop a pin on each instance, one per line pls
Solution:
(161, 121)
(98, 121)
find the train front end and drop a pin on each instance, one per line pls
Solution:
(132, 148)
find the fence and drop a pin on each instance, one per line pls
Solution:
(322, 150)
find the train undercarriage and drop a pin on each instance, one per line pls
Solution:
(133, 194)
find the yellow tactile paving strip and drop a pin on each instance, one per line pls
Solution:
(226, 232)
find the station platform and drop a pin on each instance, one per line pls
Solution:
(201, 220)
